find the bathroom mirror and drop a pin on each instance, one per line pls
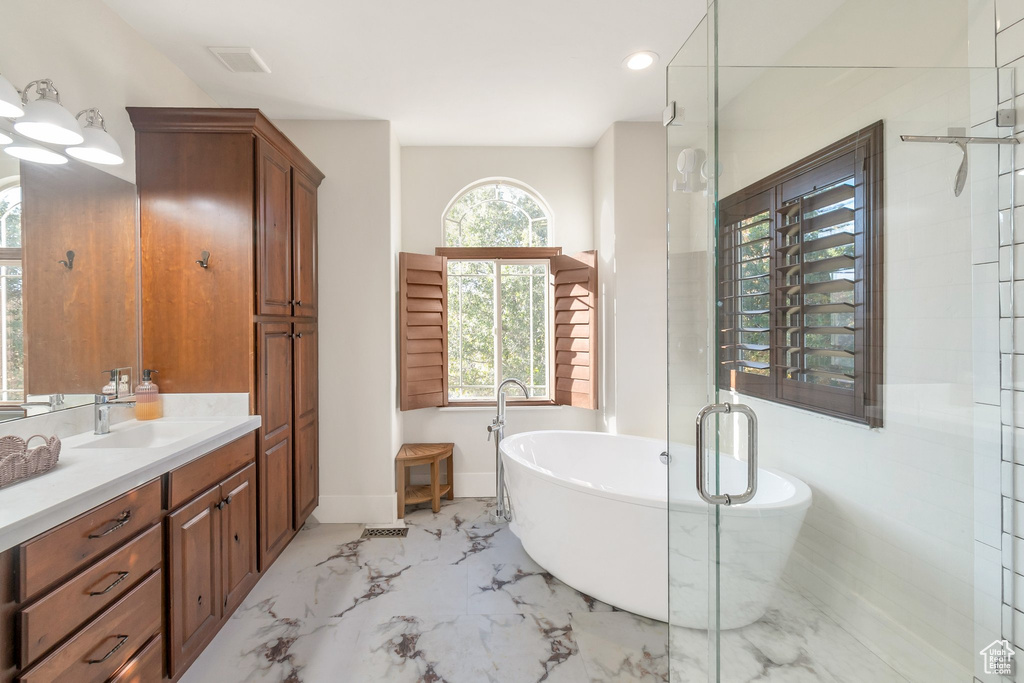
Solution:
(68, 284)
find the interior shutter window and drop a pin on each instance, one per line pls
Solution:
(423, 331)
(575, 335)
(800, 282)
(745, 294)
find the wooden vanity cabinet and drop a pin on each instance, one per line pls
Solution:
(82, 600)
(227, 181)
(211, 556)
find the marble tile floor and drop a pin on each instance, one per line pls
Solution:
(459, 600)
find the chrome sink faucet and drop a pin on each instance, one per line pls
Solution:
(497, 428)
(101, 412)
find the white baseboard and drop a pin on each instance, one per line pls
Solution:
(474, 485)
(357, 509)
(467, 484)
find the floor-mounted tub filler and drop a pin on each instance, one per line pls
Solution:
(591, 508)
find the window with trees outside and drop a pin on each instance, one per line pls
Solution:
(800, 283)
(498, 308)
(12, 340)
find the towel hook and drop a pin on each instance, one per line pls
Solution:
(204, 262)
(70, 262)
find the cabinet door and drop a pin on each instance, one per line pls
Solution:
(306, 422)
(275, 455)
(304, 239)
(196, 194)
(194, 577)
(274, 234)
(238, 529)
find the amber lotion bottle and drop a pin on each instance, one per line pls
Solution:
(147, 398)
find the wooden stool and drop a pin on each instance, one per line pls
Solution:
(424, 454)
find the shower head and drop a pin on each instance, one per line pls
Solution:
(961, 173)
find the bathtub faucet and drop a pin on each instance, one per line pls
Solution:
(497, 428)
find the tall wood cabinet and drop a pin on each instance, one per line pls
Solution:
(227, 182)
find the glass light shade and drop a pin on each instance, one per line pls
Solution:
(10, 100)
(99, 147)
(47, 121)
(35, 153)
(5, 139)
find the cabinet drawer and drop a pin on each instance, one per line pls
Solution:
(102, 647)
(188, 480)
(147, 666)
(62, 551)
(48, 620)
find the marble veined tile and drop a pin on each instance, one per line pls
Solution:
(359, 587)
(472, 648)
(460, 601)
(520, 585)
(793, 642)
(619, 647)
(267, 648)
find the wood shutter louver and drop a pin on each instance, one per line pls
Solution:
(423, 331)
(575, 334)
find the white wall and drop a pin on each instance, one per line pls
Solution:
(629, 231)
(431, 177)
(357, 226)
(96, 60)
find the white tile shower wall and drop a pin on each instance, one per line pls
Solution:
(889, 546)
(1010, 54)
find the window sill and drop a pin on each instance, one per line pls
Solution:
(489, 406)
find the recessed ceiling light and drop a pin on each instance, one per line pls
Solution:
(640, 60)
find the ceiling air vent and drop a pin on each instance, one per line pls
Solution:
(242, 60)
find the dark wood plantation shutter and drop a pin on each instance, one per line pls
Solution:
(575, 298)
(800, 287)
(423, 330)
(745, 294)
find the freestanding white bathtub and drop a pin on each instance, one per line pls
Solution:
(592, 509)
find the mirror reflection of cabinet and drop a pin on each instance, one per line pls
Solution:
(80, 316)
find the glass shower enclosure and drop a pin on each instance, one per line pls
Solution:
(841, 419)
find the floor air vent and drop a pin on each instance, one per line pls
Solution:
(386, 533)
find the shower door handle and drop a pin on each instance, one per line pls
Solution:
(702, 470)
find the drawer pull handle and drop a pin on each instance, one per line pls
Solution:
(121, 640)
(125, 517)
(121, 576)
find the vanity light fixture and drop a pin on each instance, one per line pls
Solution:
(28, 151)
(46, 119)
(98, 147)
(638, 61)
(10, 100)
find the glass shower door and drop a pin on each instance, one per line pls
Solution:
(843, 284)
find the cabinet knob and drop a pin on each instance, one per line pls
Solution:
(298, 302)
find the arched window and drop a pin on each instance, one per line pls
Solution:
(497, 213)
(12, 340)
(496, 301)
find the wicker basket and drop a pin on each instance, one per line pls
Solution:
(18, 462)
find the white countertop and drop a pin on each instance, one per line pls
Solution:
(88, 476)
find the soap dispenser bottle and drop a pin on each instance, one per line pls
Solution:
(147, 398)
(111, 387)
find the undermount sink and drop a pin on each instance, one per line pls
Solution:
(146, 435)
